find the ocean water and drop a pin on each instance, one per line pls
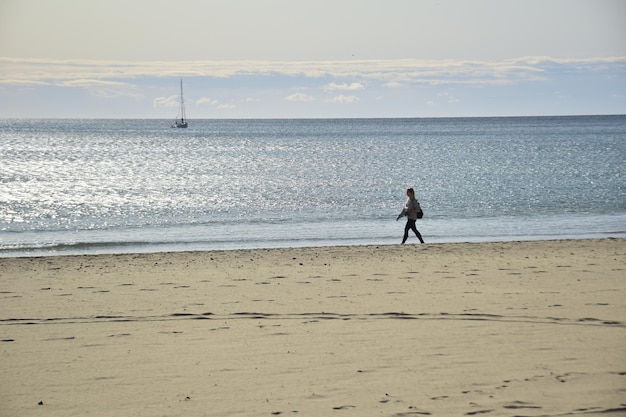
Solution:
(118, 186)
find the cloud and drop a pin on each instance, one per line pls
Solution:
(171, 101)
(343, 87)
(345, 99)
(393, 84)
(23, 82)
(522, 85)
(300, 97)
(207, 101)
(214, 103)
(391, 72)
(103, 88)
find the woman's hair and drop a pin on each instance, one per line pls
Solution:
(410, 190)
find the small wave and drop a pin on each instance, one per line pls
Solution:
(76, 248)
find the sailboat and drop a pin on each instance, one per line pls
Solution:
(182, 121)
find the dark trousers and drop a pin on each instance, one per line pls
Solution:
(410, 225)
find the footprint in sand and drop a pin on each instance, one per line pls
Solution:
(520, 404)
(412, 414)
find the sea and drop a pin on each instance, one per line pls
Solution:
(79, 186)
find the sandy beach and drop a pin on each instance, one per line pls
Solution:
(501, 329)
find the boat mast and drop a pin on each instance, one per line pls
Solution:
(182, 102)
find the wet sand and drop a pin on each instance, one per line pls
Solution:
(502, 329)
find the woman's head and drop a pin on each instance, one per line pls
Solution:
(410, 192)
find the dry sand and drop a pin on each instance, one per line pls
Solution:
(501, 329)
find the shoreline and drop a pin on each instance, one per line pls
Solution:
(40, 253)
(530, 327)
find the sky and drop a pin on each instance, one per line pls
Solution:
(311, 58)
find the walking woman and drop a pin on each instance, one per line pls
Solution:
(410, 210)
